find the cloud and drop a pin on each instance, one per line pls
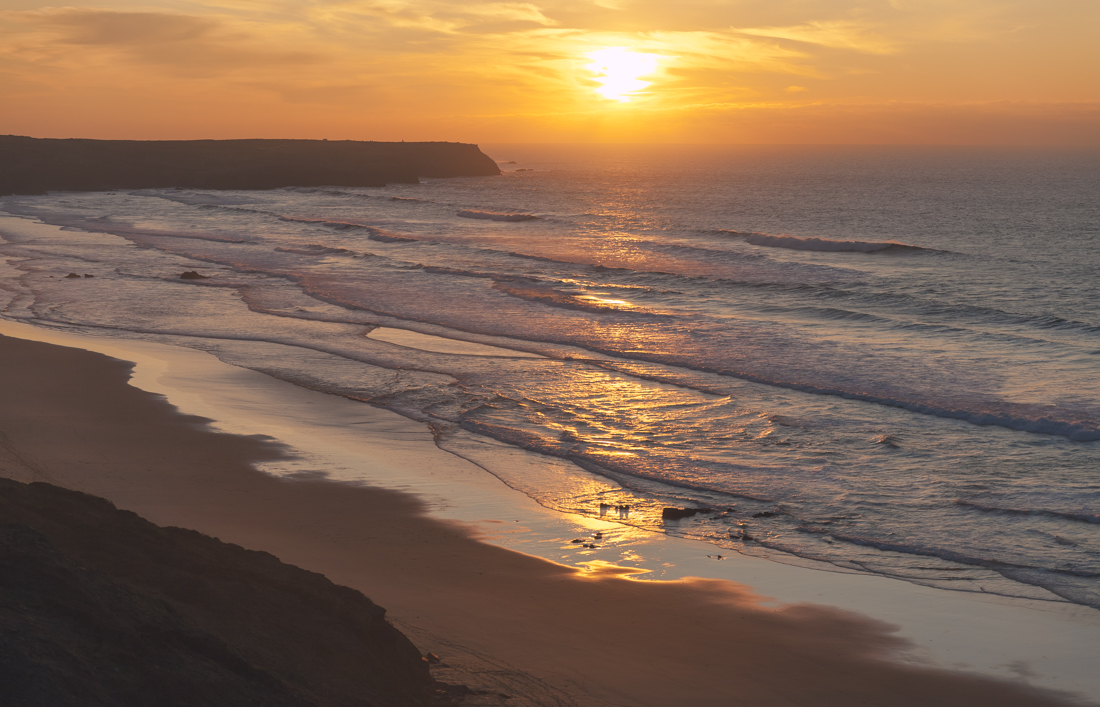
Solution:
(510, 11)
(835, 35)
(76, 39)
(433, 17)
(98, 27)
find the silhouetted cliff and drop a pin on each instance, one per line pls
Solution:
(35, 166)
(99, 607)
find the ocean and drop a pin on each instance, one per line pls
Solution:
(877, 359)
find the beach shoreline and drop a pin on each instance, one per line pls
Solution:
(541, 631)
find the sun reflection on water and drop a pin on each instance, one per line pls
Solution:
(597, 569)
(607, 302)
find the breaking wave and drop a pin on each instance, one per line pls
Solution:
(490, 216)
(826, 245)
(1081, 517)
(314, 249)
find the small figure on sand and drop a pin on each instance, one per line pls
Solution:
(623, 511)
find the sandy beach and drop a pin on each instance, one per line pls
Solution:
(501, 620)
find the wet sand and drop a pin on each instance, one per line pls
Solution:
(501, 620)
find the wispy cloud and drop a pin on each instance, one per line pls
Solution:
(186, 44)
(833, 34)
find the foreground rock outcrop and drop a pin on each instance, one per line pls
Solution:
(36, 166)
(100, 607)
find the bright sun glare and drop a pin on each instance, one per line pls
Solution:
(618, 69)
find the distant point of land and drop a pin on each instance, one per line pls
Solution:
(40, 165)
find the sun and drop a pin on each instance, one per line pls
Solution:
(618, 70)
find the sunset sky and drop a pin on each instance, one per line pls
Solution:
(721, 71)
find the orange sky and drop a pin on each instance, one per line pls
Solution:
(713, 71)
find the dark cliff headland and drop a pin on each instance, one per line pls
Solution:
(101, 607)
(39, 165)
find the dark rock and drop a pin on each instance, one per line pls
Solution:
(765, 514)
(740, 534)
(72, 275)
(87, 275)
(192, 275)
(678, 513)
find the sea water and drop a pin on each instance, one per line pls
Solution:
(877, 359)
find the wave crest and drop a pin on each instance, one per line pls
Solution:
(491, 216)
(314, 249)
(825, 245)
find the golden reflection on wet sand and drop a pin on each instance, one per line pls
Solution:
(598, 569)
